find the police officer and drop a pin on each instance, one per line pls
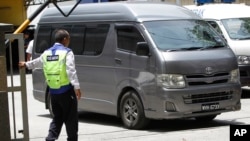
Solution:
(59, 69)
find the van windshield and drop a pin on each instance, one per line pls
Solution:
(237, 28)
(183, 35)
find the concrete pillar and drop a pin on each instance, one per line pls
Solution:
(4, 106)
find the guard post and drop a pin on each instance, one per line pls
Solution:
(5, 134)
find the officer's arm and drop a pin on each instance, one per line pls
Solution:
(72, 75)
(36, 63)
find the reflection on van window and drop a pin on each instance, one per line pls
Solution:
(128, 38)
(237, 28)
(183, 34)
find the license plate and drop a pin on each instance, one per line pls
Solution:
(210, 106)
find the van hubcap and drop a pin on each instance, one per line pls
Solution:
(130, 110)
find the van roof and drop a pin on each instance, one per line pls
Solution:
(221, 11)
(118, 11)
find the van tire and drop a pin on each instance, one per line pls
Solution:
(49, 105)
(206, 118)
(132, 111)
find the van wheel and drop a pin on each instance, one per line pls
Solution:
(206, 118)
(132, 111)
(50, 106)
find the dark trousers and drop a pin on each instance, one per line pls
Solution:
(64, 107)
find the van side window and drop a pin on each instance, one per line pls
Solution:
(77, 39)
(215, 26)
(127, 38)
(43, 39)
(94, 39)
(84, 40)
(58, 26)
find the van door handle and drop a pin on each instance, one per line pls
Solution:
(118, 61)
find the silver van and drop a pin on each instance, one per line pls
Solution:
(142, 61)
(233, 22)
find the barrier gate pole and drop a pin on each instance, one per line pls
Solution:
(4, 107)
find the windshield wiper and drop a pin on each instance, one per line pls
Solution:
(181, 49)
(190, 48)
(210, 47)
(195, 48)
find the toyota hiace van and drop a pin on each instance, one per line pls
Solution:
(142, 61)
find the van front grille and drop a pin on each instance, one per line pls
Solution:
(208, 97)
(218, 78)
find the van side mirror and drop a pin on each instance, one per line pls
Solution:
(142, 49)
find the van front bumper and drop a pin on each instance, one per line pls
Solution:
(194, 102)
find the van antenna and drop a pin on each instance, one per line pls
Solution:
(54, 2)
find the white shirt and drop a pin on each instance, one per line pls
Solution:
(30, 47)
(70, 67)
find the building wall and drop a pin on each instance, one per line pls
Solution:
(12, 11)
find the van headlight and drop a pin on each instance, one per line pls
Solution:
(171, 81)
(234, 76)
(243, 60)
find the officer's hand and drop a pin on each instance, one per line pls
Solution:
(78, 93)
(21, 64)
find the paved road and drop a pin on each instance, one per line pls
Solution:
(97, 127)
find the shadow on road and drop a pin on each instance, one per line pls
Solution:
(157, 125)
(186, 124)
(245, 93)
(99, 119)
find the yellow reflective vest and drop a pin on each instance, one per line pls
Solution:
(54, 66)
